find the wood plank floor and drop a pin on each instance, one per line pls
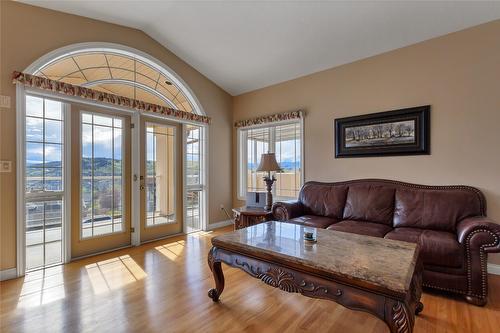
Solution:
(162, 287)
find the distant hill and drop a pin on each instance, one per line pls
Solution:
(102, 167)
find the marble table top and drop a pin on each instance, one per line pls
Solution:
(385, 263)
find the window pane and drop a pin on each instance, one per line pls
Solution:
(117, 123)
(34, 106)
(53, 179)
(103, 197)
(53, 131)
(103, 120)
(103, 148)
(34, 154)
(86, 118)
(193, 212)
(86, 197)
(53, 251)
(34, 129)
(53, 109)
(34, 179)
(34, 216)
(86, 141)
(53, 155)
(117, 201)
(34, 253)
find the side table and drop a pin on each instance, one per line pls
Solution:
(248, 216)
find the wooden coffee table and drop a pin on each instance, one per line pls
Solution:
(376, 275)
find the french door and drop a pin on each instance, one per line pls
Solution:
(78, 180)
(101, 181)
(160, 179)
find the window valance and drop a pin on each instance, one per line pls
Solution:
(99, 96)
(270, 118)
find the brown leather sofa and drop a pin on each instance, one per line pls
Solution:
(448, 222)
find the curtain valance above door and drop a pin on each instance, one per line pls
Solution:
(100, 96)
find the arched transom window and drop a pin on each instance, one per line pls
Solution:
(118, 74)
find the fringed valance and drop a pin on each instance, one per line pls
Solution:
(270, 118)
(99, 96)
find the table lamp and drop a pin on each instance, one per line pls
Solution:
(268, 163)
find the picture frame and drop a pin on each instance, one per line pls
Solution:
(390, 133)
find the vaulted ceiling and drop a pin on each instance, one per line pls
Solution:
(247, 45)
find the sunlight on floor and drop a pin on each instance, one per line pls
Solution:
(114, 273)
(42, 287)
(172, 250)
(200, 234)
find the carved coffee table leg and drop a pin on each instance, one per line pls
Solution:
(216, 268)
(398, 317)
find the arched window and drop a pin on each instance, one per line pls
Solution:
(118, 74)
(119, 70)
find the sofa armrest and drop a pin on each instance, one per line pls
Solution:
(286, 210)
(489, 230)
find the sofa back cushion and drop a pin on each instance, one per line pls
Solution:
(323, 199)
(370, 202)
(437, 209)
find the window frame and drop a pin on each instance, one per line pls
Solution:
(202, 186)
(242, 155)
(22, 197)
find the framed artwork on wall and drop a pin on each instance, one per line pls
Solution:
(390, 133)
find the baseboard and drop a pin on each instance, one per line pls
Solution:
(220, 224)
(494, 269)
(8, 274)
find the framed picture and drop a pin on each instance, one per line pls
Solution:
(398, 132)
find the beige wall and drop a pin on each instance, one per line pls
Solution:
(458, 74)
(29, 32)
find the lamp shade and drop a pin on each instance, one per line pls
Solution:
(268, 163)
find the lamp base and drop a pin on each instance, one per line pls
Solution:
(269, 186)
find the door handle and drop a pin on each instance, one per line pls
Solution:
(141, 187)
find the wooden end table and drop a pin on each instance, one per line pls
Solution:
(380, 276)
(248, 216)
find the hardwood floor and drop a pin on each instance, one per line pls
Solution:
(162, 287)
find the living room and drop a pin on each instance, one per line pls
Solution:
(336, 163)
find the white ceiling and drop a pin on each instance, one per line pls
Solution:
(246, 45)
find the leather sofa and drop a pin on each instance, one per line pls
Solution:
(448, 222)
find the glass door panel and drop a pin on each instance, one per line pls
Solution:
(159, 184)
(103, 184)
(160, 166)
(101, 175)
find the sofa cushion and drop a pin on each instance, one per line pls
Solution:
(434, 209)
(374, 203)
(313, 221)
(439, 248)
(361, 228)
(323, 199)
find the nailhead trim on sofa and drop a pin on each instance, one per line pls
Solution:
(482, 257)
(479, 194)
